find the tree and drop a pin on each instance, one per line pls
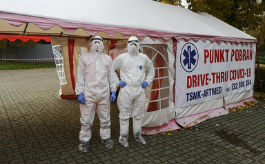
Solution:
(171, 2)
(241, 14)
(259, 33)
(17, 43)
(246, 15)
(3, 43)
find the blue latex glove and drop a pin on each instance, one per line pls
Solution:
(81, 99)
(113, 97)
(145, 84)
(122, 84)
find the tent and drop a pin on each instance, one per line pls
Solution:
(203, 65)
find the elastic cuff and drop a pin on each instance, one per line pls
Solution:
(147, 82)
(118, 83)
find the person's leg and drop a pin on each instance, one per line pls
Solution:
(137, 127)
(124, 132)
(87, 118)
(125, 105)
(138, 112)
(103, 111)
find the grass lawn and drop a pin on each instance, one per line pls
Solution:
(23, 65)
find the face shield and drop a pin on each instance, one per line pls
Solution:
(96, 44)
(133, 45)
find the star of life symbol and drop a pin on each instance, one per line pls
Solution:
(189, 57)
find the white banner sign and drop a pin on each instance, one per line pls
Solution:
(207, 71)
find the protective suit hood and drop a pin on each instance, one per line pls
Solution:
(133, 45)
(96, 45)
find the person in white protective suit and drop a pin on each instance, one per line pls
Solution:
(131, 98)
(95, 79)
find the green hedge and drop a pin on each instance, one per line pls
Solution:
(259, 84)
(261, 60)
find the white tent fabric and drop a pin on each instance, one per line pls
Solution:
(152, 22)
(140, 17)
(238, 97)
(160, 117)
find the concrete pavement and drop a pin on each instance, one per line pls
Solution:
(38, 127)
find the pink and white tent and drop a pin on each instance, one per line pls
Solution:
(202, 64)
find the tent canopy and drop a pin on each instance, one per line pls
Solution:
(153, 22)
(113, 19)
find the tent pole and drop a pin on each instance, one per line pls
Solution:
(25, 29)
(257, 61)
(48, 35)
(57, 34)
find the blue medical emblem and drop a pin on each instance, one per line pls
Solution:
(189, 57)
(140, 67)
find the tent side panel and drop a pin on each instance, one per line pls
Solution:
(164, 115)
(67, 89)
(66, 65)
(210, 75)
(199, 108)
(238, 97)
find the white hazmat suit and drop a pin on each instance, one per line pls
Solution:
(131, 97)
(95, 79)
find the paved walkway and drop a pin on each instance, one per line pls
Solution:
(38, 127)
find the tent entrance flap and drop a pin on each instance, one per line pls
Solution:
(157, 93)
(66, 56)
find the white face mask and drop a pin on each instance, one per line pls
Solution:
(133, 48)
(96, 45)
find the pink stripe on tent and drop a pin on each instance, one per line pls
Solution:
(92, 29)
(195, 39)
(171, 125)
(238, 103)
(212, 39)
(47, 23)
(197, 118)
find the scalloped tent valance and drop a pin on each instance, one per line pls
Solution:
(116, 19)
(25, 38)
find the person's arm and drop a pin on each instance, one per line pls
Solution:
(113, 78)
(117, 65)
(80, 78)
(151, 71)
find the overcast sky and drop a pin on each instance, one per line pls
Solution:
(184, 3)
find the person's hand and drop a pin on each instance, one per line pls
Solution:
(81, 99)
(145, 84)
(122, 84)
(113, 97)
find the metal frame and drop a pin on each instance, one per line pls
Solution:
(164, 77)
(58, 60)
